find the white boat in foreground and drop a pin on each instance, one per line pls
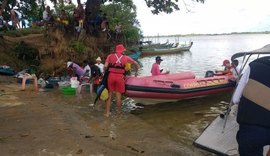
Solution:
(221, 141)
(219, 137)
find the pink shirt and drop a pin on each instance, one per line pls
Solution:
(155, 69)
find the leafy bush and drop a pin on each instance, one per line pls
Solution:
(24, 52)
(78, 46)
(23, 32)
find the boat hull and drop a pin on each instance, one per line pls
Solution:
(173, 87)
(219, 140)
(156, 51)
(6, 71)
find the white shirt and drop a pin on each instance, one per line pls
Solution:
(240, 87)
(236, 71)
(101, 67)
(45, 15)
(87, 68)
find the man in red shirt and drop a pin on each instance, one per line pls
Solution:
(115, 63)
(155, 67)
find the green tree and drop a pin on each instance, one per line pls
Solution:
(157, 6)
(126, 14)
(167, 6)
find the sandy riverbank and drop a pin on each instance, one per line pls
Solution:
(48, 123)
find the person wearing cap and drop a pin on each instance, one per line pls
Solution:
(115, 63)
(253, 116)
(155, 67)
(77, 70)
(227, 68)
(100, 65)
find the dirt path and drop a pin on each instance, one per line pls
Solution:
(47, 123)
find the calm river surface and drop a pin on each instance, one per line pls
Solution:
(185, 120)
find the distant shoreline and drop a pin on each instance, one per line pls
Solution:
(232, 33)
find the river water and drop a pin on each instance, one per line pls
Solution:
(186, 119)
(207, 52)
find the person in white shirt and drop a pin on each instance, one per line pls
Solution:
(235, 68)
(240, 87)
(253, 101)
(47, 14)
(100, 65)
(87, 69)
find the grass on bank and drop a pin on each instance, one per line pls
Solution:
(23, 32)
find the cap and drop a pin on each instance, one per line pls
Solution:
(225, 62)
(120, 48)
(158, 58)
(98, 59)
(68, 63)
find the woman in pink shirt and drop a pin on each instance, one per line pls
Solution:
(155, 67)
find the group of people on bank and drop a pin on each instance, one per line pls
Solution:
(79, 21)
(90, 72)
(115, 66)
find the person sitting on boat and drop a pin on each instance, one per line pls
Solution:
(253, 116)
(115, 63)
(235, 69)
(227, 70)
(155, 67)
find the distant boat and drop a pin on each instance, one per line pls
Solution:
(171, 50)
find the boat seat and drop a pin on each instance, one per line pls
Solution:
(209, 73)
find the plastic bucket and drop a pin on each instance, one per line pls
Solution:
(68, 91)
(74, 82)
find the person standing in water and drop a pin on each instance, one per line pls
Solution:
(115, 63)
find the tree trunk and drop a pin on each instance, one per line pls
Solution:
(4, 4)
(91, 9)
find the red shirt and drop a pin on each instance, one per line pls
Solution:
(112, 59)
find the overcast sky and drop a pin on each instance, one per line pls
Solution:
(214, 16)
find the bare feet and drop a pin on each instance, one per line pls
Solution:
(107, 115)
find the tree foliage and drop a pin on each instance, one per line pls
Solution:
(167, 6)
(125, 13)
(158, 6)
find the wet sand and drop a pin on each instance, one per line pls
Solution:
(48, 123)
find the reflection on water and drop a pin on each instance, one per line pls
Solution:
(207, 52)
(184, 120)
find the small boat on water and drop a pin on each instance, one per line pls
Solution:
(174, 87)
(161, 51)
(219, 136)
(6, 70)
